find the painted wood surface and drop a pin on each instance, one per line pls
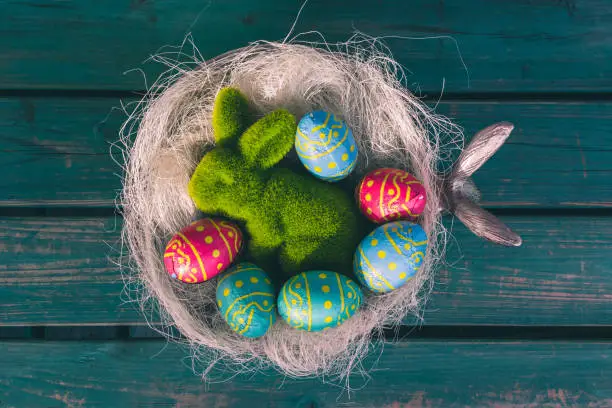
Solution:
(57, 151)
(57, 271)
(510, 46)
(542, 64)
(52, 267)
(418, 374)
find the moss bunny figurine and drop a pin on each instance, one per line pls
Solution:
(292, 220)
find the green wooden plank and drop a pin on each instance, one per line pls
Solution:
(56, 152)
(417, 374)
(57, 271)
(521, 46)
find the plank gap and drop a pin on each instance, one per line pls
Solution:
(52, 211)
(27, 211)
(426, 95)
(402, 334)
(551, 212)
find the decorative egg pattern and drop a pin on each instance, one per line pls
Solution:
(318, 300)
(325, 145)
(202, 250)
(391, 255)
(245, 297)
(389, 194)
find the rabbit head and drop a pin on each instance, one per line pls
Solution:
(228, 176)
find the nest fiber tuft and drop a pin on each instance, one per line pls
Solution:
(392, 128)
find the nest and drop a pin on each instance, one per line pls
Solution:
(392, 127)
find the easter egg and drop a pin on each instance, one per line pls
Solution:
(390, 194)
(325, 146)
(202, 250)
(245, 297)
(318, 300)
(390, 256)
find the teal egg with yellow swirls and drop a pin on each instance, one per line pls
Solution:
(245, 297)
(390, 256)
(325, 146)
(317, 300)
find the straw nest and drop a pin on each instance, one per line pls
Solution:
(172, 128)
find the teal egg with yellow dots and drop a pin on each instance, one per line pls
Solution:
(246, 300)
(325, 146)
(390, 256)
(317, 300)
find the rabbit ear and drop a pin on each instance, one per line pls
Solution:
(267, 141)
(483, 145)
(461, 193)
(230, 116)
(484, 224)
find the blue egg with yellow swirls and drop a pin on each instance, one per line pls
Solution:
(390, 256)
(245, 297)
(317, 300)
(325, 146)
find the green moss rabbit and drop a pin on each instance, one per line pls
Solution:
(292, 220)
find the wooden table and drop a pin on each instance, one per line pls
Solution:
(525, 326)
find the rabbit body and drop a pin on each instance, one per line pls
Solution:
(292, 220)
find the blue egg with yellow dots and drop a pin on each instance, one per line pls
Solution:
(245, 297)
(318, 300)
(325, 146)
(390, 256)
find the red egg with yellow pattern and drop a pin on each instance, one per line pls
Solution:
(390, 194)
(202, 250)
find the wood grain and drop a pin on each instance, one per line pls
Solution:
(60, 271)
(508, 46)
(57, 151)
(55, 271)
(418, 374)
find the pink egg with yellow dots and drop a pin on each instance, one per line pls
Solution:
(202, 250)
(390, 194)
